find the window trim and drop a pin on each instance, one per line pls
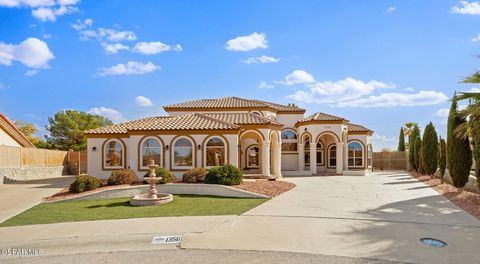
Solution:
(322, 150)
(124, 154)
(289, 141)
(259, 156)
(204, 149)
(140, 153)
(172, 153)
(362, 158)
(329, 165)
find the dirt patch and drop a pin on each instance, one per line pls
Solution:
(466, 199)
(266, 187)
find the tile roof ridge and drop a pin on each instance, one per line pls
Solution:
(216, 120)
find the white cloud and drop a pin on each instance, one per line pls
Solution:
(109, 113)
(143, 101)
(32, 52)
(467, 8)
(472, 90)
(103, 34)
(261, 59)
(151, 48)
(397, 99)
(45, 10)
(443, 112)
(391, 8)
(246, 43)
(380, 142)
(298, 77)
(130, 68)
(264, 85)
(31, 73)
(82, 24)
(476, 39)
(3, 86)
(114, 48)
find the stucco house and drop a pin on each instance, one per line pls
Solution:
(11, 136)
(264, 139)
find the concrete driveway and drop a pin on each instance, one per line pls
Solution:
(19, 196)
(380, 216)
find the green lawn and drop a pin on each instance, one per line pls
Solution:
(119, 208)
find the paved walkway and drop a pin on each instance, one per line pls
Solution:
(20, 196)
(379, 216)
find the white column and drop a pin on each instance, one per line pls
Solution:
(266, 158)
(345, 157)
(313, 157)
(277, 164)
(339, 158)
(301, 157)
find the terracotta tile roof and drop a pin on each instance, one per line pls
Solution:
(194, 121)
(321, 117)
(357, 128)
(243, 119)
(232, 102)
(9, 128)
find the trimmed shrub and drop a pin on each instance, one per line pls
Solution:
(442, 157)
(459, 155)
(430, 150)
(421, 166)
(401, 140)
(414, 134)
(167, 176)
(416, 152)
(194, 175)
(72, 168)
(124, 176)
(84, 183)
(225, 175)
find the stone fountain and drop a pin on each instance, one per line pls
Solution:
(152, 197)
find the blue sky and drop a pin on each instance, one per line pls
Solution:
(377, 63)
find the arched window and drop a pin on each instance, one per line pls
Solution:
(151, 149)
(215, 152)
(370, 155)
(320, 153)
(332, 155)
(289, 140)
(307, 151)
(183, 153)
(272, 117)
(355, 154)
(256, 113)
(253, 160)
(113, 154)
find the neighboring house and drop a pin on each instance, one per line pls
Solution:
(262, 138)
(10, 135)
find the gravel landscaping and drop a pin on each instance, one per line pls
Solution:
(266, 187)
(466, 199)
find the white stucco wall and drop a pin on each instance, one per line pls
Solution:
(132, 143)
(7, 140)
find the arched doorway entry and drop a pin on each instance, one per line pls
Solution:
(250, 151)
(326, 153)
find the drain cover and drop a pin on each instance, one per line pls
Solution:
(433, 242)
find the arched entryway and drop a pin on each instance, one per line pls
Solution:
(250, 151)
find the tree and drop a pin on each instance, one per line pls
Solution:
(417, 153)
(401, 140)
(442, 157)
(411, 146)
(459, 155)
(66, 128)
(421, 167)
(430, 149)
(29, 130)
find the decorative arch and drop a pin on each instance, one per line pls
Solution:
(328, 133)
(255, 131)
(302, 137)
(255, 112)
(139, 150)
(194, 152)
(124, 154)
(204, 148)
(274, 132)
